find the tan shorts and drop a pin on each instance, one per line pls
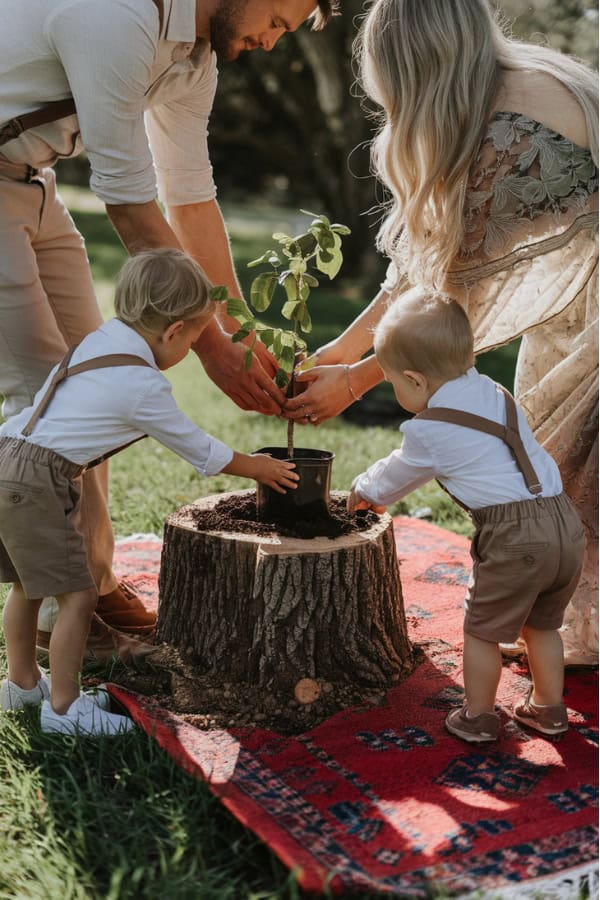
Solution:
(527, 559)
(40, 543)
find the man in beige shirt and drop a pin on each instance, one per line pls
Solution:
(142, 75)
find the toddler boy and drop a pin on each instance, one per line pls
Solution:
(528, 546)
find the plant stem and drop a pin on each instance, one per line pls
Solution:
(290, 426)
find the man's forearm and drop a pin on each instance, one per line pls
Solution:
(142, 226)
(202, 233)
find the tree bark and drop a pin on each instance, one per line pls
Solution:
(273, 610)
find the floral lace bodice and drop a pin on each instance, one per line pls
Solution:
(524, 170)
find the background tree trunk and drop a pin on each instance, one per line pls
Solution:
(273, 610)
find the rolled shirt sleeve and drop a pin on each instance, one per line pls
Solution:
(157, 415)
(109, 91)
(178, 133)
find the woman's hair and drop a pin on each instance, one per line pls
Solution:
(434, 66)
(425, 332)
(158, 287)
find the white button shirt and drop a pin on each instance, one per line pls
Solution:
(477, 468)
(143, 100)
(94, 412)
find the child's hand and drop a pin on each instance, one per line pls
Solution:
(276, 473)
(356, 502)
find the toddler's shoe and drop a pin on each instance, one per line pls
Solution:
(484, 727)
(84, 718)
(14, 697)
(545, 719)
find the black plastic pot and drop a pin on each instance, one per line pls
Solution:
(309, 499)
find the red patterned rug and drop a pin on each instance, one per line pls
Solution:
(384, 799)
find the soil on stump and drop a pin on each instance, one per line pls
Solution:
(179, 684)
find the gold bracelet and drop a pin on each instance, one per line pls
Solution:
(350, 391)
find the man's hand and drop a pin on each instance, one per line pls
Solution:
(223, 362)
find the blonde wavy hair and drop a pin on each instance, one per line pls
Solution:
(158, 287)
(434, 66)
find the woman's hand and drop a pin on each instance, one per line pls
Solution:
(324, 393)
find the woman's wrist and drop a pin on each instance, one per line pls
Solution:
(362, 376)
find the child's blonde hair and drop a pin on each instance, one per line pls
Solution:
(158, 287)
(434, 66)
(425, 332)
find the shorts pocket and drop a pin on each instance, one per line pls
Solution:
(514, 551)
(17, 490)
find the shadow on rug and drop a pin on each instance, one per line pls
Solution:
(383, 798)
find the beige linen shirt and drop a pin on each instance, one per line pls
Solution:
(143, 99)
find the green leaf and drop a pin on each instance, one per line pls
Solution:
(282, 238)
(297, 265)
(304, 319)
(261, 291)
(325, 237)
(288, 339)
(340, 229)
(248, 359)
(237, 309)
(288, 280)
(318, 218)
(310, 280)
(281, 378)
(287, 359)
(289, 309)
(219, 293)
(330, 262)
(266, 334)
(269, 256)
(243, 332)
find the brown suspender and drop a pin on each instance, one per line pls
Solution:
(63, 371)
(508, 433)
(51, 112)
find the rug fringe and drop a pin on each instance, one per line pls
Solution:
(575, 884)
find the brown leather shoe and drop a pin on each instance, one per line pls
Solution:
(122, 609)
(104, 643)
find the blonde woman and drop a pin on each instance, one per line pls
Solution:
(489, 149)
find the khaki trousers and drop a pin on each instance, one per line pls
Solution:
(47, 304)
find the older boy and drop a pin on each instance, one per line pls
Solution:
(107, 393)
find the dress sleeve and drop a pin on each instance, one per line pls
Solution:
(530, 222)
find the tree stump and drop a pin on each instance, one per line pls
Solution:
(270, 610)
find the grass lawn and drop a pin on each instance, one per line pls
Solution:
(117, 819)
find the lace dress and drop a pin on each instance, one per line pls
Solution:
(528, 267)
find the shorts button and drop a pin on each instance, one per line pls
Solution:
(16, 498)
(529, 560)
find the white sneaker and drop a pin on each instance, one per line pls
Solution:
(14, 697)
(84, 717)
